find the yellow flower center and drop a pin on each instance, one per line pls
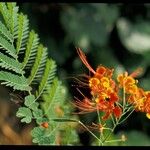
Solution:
(140, 103)
(97, 100)
(132, 89)
(105, 82)
(93, 82)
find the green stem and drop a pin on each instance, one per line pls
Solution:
(74, 120)
(90, 132)
(29, 92)
(118, 104)
(126, 117)
(112, 120)
(124, 97)
(118, 140)
(111, 131)
(99, 120)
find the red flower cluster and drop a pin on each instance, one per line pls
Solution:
(105, 92)
(139, 98)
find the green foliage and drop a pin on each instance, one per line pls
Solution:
(31, 111)
(11, 64)
(134, 36)
(54, 106)
(133, 138)
(30, 102)
(25, 113)
(37, 70)
(53, 96)
(31, 49)
(48, 75)
(22, 31)
(90, 23)
(38, 137)
(10, 16)
(6, 45)
(32, 71)
(5, 32)
(15, 81)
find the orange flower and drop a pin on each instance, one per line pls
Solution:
(128, 82)
(106, 104)
(102, 71)
(147, 104)
(137, 99)
(141, 101)
(117, 111)
(99, 85)
(109, 96)
(103, 91)
(111, 109)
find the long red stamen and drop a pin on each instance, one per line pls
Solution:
(137, 72)
(83, 58)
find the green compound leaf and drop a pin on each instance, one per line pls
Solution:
(47, 78)
(5, 32)
(5, 13)
(38, 113)
(30, 102)
(16, 40)
(40, 60)
(13, 20)
(10, 63)
(7, 46)
(23, 30)
(15, 81)
(40, 120)
(31, 49)
(38, 134)
(53, 98)
(25, 114)
(69, 136)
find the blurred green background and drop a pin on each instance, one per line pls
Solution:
(115, 35)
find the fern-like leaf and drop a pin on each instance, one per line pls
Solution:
(40, 59)
(47, 77)
(52, 97)
(31, 49)
(13, 11)
(6, 45)
(40, 71)
(5, 13)
(10, 63)
(15, 81)
(5, 32)
(23, 30)
(16, 39)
